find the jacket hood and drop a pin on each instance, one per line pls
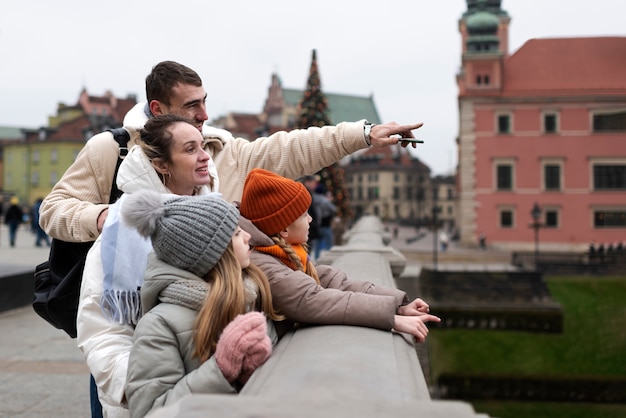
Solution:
(137, 173)
(158, 276)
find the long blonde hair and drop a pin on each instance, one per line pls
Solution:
(308, 269)
(226, 300)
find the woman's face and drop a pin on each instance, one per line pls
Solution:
(298, 231)
(241, 247)
(189, 164)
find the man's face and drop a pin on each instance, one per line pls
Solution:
(186, 101)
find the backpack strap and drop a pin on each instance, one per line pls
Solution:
(122, 137)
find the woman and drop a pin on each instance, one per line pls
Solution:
(205, 304)
(170, 159)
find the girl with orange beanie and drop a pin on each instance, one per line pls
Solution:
(304, 293)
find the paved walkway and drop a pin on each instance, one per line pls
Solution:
(43, 374)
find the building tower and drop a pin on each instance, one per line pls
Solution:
(484, 35)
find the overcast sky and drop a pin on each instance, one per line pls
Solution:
(404, 52)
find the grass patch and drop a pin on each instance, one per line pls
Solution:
(592, 344)
(549, 410)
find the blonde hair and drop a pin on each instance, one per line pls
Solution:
(308, 269)
(226, 300)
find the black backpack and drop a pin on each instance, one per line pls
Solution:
(57, 280)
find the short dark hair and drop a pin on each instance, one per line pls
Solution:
(164, 76)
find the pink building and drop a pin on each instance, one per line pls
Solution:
(545, 125)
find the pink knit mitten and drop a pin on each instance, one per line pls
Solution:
(247, 333)
(256, 355)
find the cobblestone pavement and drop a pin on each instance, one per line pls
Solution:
(42, 372)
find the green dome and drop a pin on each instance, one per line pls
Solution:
(482, 22)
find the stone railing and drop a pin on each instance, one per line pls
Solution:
(336, 371)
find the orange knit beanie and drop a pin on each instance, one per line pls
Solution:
(272, 202)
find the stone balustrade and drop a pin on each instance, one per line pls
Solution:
(336, 371)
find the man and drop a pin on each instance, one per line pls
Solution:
(76, 207)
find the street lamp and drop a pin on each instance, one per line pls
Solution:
(435, 226)
(536, 215)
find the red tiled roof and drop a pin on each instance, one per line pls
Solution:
(567, 66)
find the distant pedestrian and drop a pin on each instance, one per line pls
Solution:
(483, 241)
(40, 234)
(339, 228)
(601, 253)
(13, 219)
(443, 240)
(1, 208)
(327, 212)
(592, 251)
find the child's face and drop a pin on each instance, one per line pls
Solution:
(298, 231)
(241, 247)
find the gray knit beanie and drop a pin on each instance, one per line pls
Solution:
(188, 232)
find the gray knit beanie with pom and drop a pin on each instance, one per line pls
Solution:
(188, 232)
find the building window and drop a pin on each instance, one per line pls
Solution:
(504, 177)
(396, 193)
(35, 157)
(550, 123)
(504, 124)
(372, 193)
(551, 218)
(610, 122)
(34, 178)
(609, 177)
(552, 177)
(54, 156)
(609, 219)
(506, 218)
(409, 193)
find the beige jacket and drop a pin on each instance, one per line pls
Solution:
(70, 212)
(337, 300)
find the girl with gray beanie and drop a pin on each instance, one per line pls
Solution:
(206, 324)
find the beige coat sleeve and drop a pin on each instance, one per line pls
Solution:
(290, 154)
(70, 211)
